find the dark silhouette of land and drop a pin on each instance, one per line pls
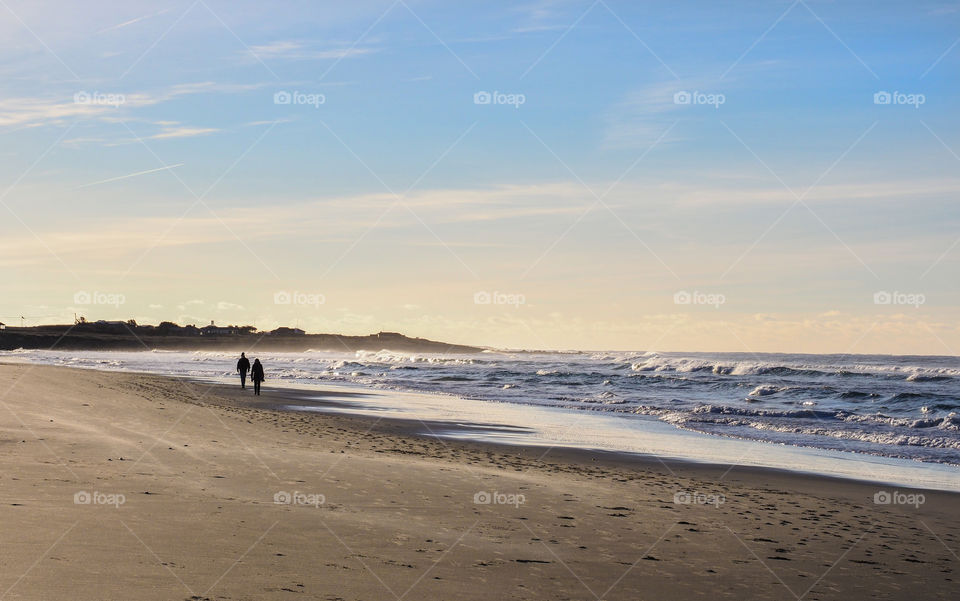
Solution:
(129, 336)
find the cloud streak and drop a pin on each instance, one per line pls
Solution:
(132, 21)
(183, 132)
(297, 50)
(102, 105)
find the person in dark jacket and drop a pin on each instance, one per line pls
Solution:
(243, 366)
(256, 374)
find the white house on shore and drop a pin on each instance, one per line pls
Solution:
(215, 330)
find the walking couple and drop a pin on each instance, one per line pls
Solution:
(256, 372)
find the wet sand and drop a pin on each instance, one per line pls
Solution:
(130, 486)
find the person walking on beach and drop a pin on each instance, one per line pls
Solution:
(256, 374)
(243, 366)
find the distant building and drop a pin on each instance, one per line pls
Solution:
(3, 326)
(215, 330)
(282, 331)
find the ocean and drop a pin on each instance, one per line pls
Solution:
(905, 407)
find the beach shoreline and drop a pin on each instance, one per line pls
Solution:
(896, 416)
(403, 511)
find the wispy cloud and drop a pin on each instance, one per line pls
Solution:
(33, 112)
(507, 206)
(327, 219)
(946, 9)
(297, 50)
(182, 131)
(544, 15)
(637, 119)
(272, 122)
(695, 196)
(641, 116)
(105, 105)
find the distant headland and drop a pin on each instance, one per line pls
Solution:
(131, 336)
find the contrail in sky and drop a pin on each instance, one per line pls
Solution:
(113, 179)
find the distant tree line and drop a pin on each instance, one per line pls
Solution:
(169, 328)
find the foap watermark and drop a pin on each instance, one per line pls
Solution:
(883, 497)
(498, 498)
(99, 98)
(912, 299)
(298, 498)
(495, 97)
(713, 299)
(498, 298)
(282, 297)
(895, 97)
(295, 97)
(82, 297)
(693, 497)
(98, 498)
(712, 99)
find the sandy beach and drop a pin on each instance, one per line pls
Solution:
(129, 486)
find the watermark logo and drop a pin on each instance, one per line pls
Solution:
(98, 498)
(99, 98)
(883, 497)
(914, 100)
(295, 97)
(498, 498)
(282, 297)
(483, 297)
(82, 297)
(711, 99)
(913, 299)
(682, 297)
(495, 97)
(692, 497)
(298, 498)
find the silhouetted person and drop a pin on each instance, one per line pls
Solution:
(243, 366)
(256, 374)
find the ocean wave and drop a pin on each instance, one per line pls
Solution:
(708, 409)
(747, 368)
(913, 397)
(766, 390)
(858, 394)
(605, 398)
(884, 432)
(394, 357)
(660, 364)
(707, 412)
(337, 365)
(876, 437)
(918, 377)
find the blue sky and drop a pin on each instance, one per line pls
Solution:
(145, 157)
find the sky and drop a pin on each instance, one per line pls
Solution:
(746, 176)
